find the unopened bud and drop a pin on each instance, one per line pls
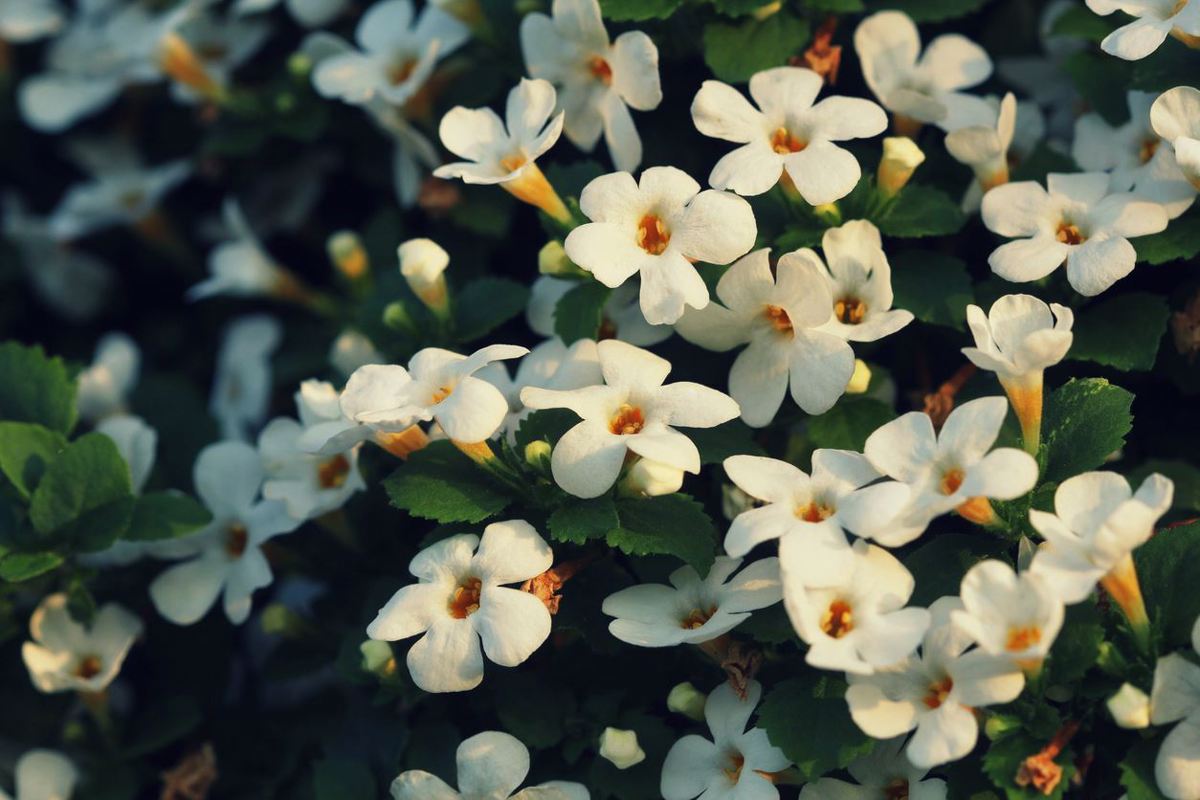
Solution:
(396, 317)
(901, 157)
(299, 65)
(347, 253)
(621, 748)
(1130, 707)
(648, 478)
(377, 658)
(861, 379)
(422, 262)
(686, 699)
(552, 259)
(179, 61)
(829, 213)
(279, 620)
(537, 454)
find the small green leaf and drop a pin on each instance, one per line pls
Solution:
(485, 304)
(34, 388)
(343, 779)
(921, 211)
(85, 497)
(638, 10)
(847, 425)
(26, 451)
(1121, 332)
(584, 520)
(1085, 422)
(580, 312)
(935, 287)
(931, 10)
(166, 515)
(17, 567)
(813, 697)
(735, 51)
(442, 484)
(672, 524)
(1181, 240)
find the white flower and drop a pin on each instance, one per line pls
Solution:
(924, 89)
(1175, 116)
(309, 13)
(1175, 697)
(1097, 523)
(859, 623)
(657, 227)
(809, 515)
(309, 485)
(1130, 707)
(239, 266)
(219, 44)
(984, 147)
(1155, 20)
(351, 350)
(66, 656)
(735, 764)
(1134, 156)
(622, 316)
(438, 385)
(104, 386)
(29, 20)
(242, 385)
(1009, 615)
(934, 693)
(491, 765)
(786, 133)
(121, 192)
(136, 442)
(621, 748)
(460, 598)
(691, 610)
(597, 81)
(422, 262)
(43, 775)
(632, 412)
(396, 54)
(550, 365)
(225, 557)
(884, 773)
(956, 469)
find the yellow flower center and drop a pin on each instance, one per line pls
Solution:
(1149, 148)
(332, 474)
(783, 142)
(733, 772)
(697, 617)
(465, 600)
(600, 70)
(897, 789)
(850, 310)
(628, 420)
(1069, 233)
(652, 234)
(778, 318)
(937, 693)
(441, 394)
(814, 511)
(838, 620)
(1022, 638)
(88, 667)
(401, 71)
(513, 162)
(952, 479)
(236, 539)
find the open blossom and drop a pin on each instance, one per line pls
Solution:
(1154, 21)
(225, 557)
(621, 316)
(121, 192)
(242, 386)
(396, 54)
(461, 598)
(787, 132)
(1011, 615)
(597, 81)
(43, 775)
(934, 693)
(1098, 521)
(984, 147)
(104, 385)
(924, 89)
(735, 764)
(1076, 220)
(956, 469)
(809, 515)
(1175, 697)
(632, 412)
(1175, 116)
(657, 227)
(550, 365)
(505, 151)
(490, 765)
(885, 772)
(691, 610)
(859, 623)
(66, 656)
(240, 266)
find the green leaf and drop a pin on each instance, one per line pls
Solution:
(813, 697)
(1085, 422)
(442, 484)
(1077, 646)
(935, 287)
(738, 8)
(931, 10)
(1185, 476)
(1181, 240)
(165, 515)
(34, 388)
(1121, 332)
(735, 51)
(85, 497)
(847, 425)
(485, 304)
(728, 439)
(1079, 22)
(1137, 771)
(672, 524)
(1094, 75)
(343, 779)
(26, 450)
(939, 563)
(1169, 66)
(583, 521)
(17, 567)
(1168, 569)
(921, 211)
(580, 312)
(638, 10)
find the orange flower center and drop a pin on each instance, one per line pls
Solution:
(514, 162)
(465, 600)
(952, 479)
(1149, 148)
(441, 394)
(850, 310)
(628, 420)
(1022, 638)
(1068, 233)
(600, 70)
(332, 474)
(937, 693)
(236, 539)
(733, 772)
(697, 617)
(814, 512)
(401, 71)
(652, 234)
(88, 667)
(778, 318)
(896, 789)
(838, 620)
(783, 142)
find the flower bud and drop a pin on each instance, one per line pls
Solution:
(537, 454)
(648, 478)
(552, 259)
(861, 379)
(180, 62)
(377, 658)
(901, 157)
(299, 65)
(1130, 707)
(621, 748)
(279, 620)
(686, 699)
(422, 262)
(396, 317)
(348, 255)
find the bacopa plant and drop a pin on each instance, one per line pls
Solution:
(718, 399)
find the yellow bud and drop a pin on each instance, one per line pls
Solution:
(377, 658)
(178, 60)
(686, 699)
(347, 253)
(861, 378)
(621, 748)
(1130, 707)
(901, 157)
(422, 262)
(537, 453)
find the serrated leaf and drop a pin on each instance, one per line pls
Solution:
(17, 567)
(813, 697)
(935, 287)
(85, 497)
(920, 211)
(442, 484)
(582, 521)
(638, 10)
(580, 312)
(26, 451)
(1181, 240)
(165, 515)
(485, 304)
(735, 51)
(1121, 332)
(1085, 422)
(34, 388)
(673, 524)
(1168, 569)
(847, 425)
(931, 10)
